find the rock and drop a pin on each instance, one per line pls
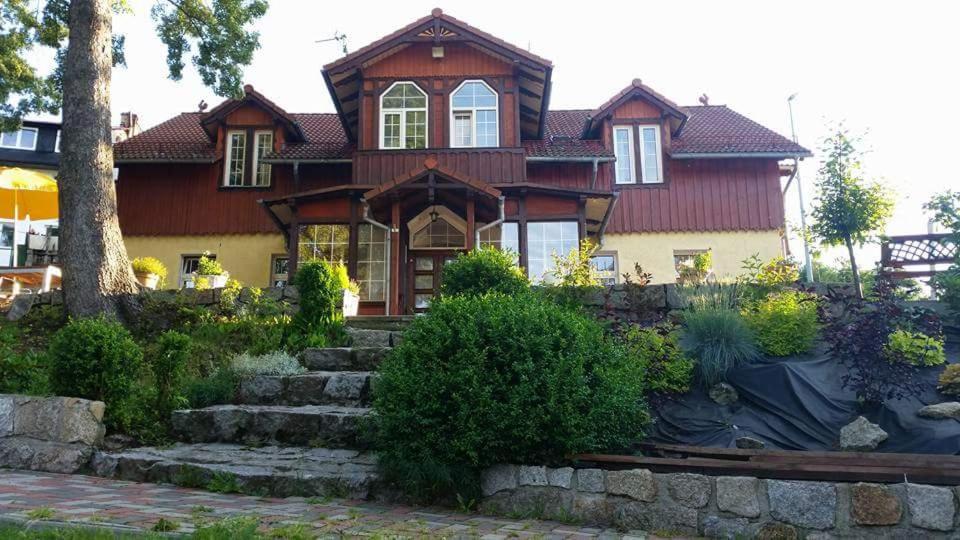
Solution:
(562, 477)
(724, 394)
(874, 504)
(55, 419)
(776, 531)
(20, 306)
(498, 478)
(361, 337)
(730, 528)
(861, 436)
(692, 490)
(6, 415)
(670, 518)
(291, 293)
(590, 480)
(931, 507)
(941, 411)
(592, 508)
(116, 442)
(738, 495)
(260, 389)
(637, 484)
(749, 443)
(347, 387)
(532, 476)
(811, 505)
(49, 456)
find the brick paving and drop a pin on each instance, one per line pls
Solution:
(86, 500)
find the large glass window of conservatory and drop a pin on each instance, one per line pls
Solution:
(403, 117)
(545, 240)
(439, 233)
(505, 237)
(329, 243)
(372, 262)
(474, 114)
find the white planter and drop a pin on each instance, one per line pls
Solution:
(351, 303)
(148, 280)
(213, 281)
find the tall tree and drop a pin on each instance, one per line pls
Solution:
(850, 210)
(97, 277)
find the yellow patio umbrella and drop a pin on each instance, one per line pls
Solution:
(24, 192)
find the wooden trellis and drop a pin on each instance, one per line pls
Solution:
(901, 255)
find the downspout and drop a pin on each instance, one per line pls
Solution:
(593, 179)
(367, 218)
(494, 223)
(606, 218)
(796, 167)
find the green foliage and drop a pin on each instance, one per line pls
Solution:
(209, 267)
(945, 208)
(232, 528)
(915, 348)
(718, 339)
(21, 372)
(218, 388)
(762, 278)
(947, 286)
(275, 363)
(98, 359)
(165, 525)
(319, 321)
(223, 482)
(150, 265)
(168, 361)
(494, 379)
(785, 323)
(575, 268)
(482, 271)
(709, 296)
(667, 369)
(949, 381)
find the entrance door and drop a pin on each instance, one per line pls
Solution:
(425, 269)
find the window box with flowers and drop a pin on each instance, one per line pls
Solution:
(210, 274)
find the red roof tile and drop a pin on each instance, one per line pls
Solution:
(562, 137)
(716, 129)
(178, 139)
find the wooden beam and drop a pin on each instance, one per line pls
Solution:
(471, 221)
(395, 284)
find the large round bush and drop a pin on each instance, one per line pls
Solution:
(500, 379)
(483, 271)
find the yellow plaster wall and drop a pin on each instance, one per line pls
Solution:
(245, 256)
(654, 251)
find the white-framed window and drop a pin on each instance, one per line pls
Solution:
(403, 117)
(329, 243)
(189, 264)
(279, 267)
(263, 144)
(474, 116)
(23, 139)
(623, 150)
(236, 158)
(651, 164)
(56, 147)
(372, 263)
(605, 265)
(505, 237)
(545, 240)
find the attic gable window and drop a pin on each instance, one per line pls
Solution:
(651, 165)
(473, 106)
(638, 154)
(403, 117)
(245, 149)
(623, 150)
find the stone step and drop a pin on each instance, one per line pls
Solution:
(394, 323)
(344, 358)
(362, 337)
(310, 425)
(348, 388)
(269, 470)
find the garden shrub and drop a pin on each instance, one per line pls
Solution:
(96, 358)
(275, 363)
(21, 371)
(218, 388)
(760, 278)
(949, 382)
(667, 369)
(718, 340)
(150, 265)
(785, 323)
(915, 348)
(318, 323)
(168, 362)
(946, 284)
(483, 271)
(709, 296)
(209, 267)
(575, 269)
(494, 379)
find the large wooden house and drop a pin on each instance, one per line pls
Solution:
(443, 140)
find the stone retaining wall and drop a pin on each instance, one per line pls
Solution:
(53, 434)
(722, 506)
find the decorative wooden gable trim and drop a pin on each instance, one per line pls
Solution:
(669, 111)
(213, 120)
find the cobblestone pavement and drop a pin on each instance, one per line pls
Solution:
(86, 500)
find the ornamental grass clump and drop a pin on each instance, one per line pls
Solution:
(785, 323)
(719, 340)
(490, 379)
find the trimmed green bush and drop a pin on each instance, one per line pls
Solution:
(168, 361)
(718, 340)
(217, 389)
(20, 372)
(915, 348)
(785, 323)
(494, 379)
(318, 322)
(98, 359)
(668, 370)
(483, 271)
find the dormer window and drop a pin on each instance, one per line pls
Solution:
(473, 110)
(245, 149)
(403, 117)
(649, 167)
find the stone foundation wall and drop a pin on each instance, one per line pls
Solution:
(53, 434)
(207, 297)
(722, 506)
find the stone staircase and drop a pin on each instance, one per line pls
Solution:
(286, 435)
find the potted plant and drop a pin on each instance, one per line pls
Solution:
(150, 272)
(350, 304)
(209, 274)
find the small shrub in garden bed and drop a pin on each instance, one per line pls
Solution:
(949, 382)
(763, 278)
(275, 363)
(915, 348)
(709, 296)
(483, 271)
(319, 322)
(667, 369)
(494, 379)
(785, 323)
(168, 361)
(719, 340)
(218, 388)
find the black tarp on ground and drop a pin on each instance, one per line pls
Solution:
(800, 404)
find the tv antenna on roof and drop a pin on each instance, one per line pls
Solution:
(338, 37)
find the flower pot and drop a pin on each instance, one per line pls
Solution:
(218, 281)
(149, 280)
(351, 303)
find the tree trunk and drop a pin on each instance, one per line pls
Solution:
(857, 286)
(97, 277)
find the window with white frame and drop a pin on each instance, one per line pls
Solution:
(623, 150)
(279, 267)
(651, 166)
(236, 159)
(23, 139)
(329, 243)
(403, 117)
(546, 240)
(264, 144)
(189, 264)
(505, 237)
(473, 106)
(605, 265)
(372, 262)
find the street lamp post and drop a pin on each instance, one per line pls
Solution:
(803, 212)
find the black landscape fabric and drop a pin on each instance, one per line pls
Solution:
(800, 404)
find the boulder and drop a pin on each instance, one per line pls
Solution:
(777, 531)
(48, 456)
(939, 411)
(724, 394)
(811, 505)
(738, 495)
(562, 477)
(874, 504)
(749, 443)
(55, 419)
(532, 476)
(637, 484)
(590, 480)
(20, 306)
(931, 507)
(861, 436)
(498, 478)
(592, 508)
(728, 528)
(691, 490)
(672, 518)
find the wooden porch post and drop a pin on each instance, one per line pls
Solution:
(471, 222)
(395, 284)
(353, 249)
(293, 251)
(582, 218)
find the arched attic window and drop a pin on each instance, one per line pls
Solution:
(403, 117)
(474, 116)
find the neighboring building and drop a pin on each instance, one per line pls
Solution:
(441, 132)
(129, 126)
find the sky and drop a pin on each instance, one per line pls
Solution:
(886, 69)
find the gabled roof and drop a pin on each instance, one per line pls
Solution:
(563, 138)
(636, 89)
(217, 114)
(343, 79)
(431, 166)
(718, 131)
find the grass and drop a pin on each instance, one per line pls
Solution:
(165, 525)
(41, 513)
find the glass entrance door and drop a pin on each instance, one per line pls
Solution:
(425, 269)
